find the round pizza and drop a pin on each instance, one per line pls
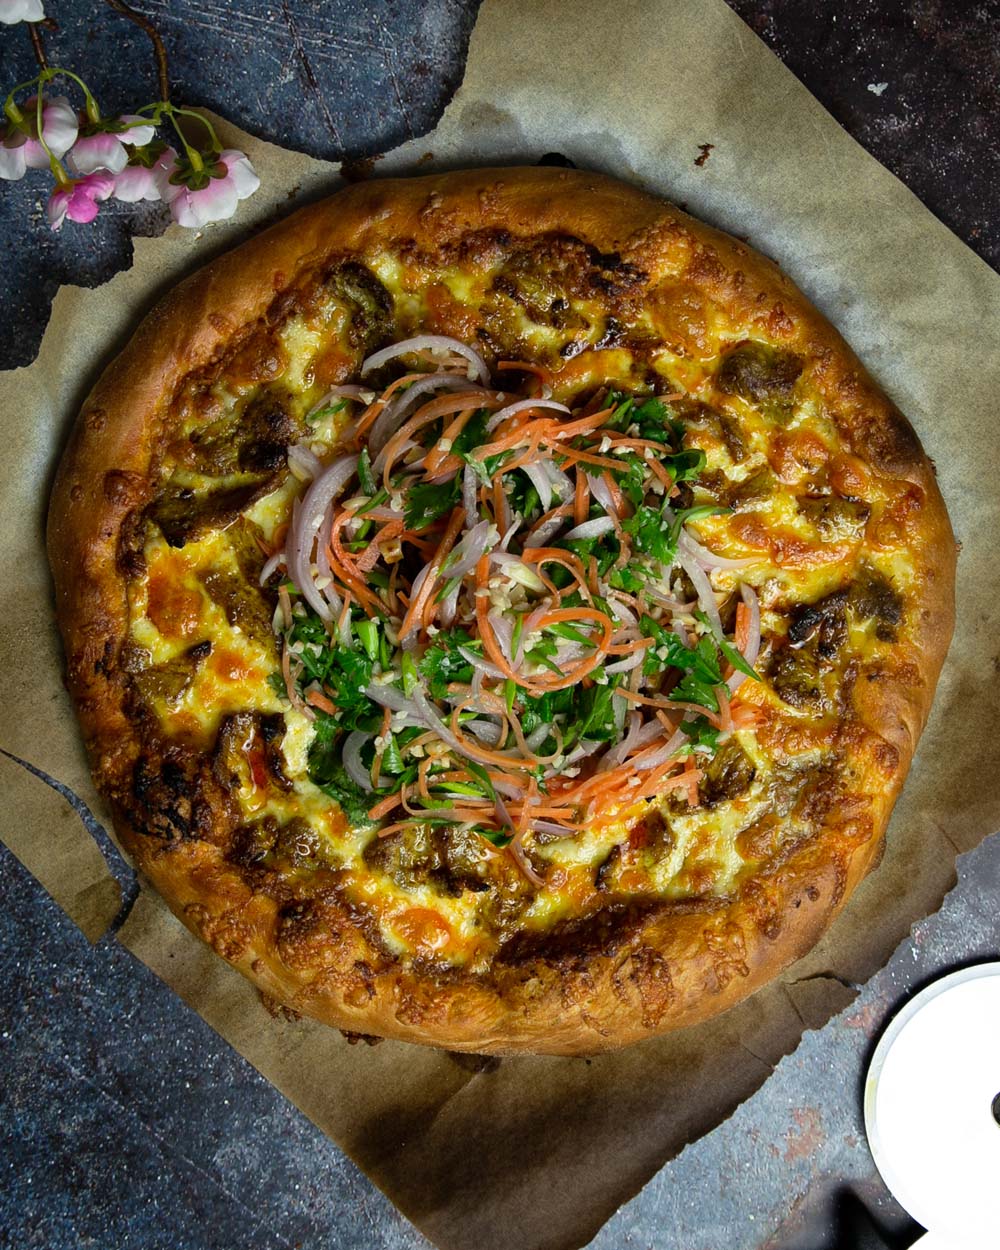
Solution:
(500, 609)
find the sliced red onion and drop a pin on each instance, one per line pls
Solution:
(390, 697)
(638, 735)
(429, 715)
(666, 601)
(560, 482)
(304, 529)
(581, 751)
(621, 610)
(449, 606)
(602, 493)
(521, 406)
(485, 731)
(736, 679)
(706, 595)
(539, 479)
(591, 529)
(275, 562)
(304, 462)
(627, 664)
(470, 493)
(507, 788)
(481, 665)
(351, 756)
(619, 706)
(511, 530)
(548, 826)
(430, 343)
(545, 531)
(328, 591)
(470, 550)
(399, 406)
(527, 629)
(382, 514)
(350, 390)
(504, 630)
(708, 559)
(538, 735)
(666, 752)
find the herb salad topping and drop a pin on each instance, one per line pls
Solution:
(492, 608)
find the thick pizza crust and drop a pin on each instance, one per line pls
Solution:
(623, 976)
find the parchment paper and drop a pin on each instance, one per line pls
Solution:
(539, 1152)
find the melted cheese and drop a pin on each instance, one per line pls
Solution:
(703, 853)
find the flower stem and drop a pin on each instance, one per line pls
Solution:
(216, 145)
(56, 166)
(93, 109)
(37, 46)
(155, 38)
(193, 155)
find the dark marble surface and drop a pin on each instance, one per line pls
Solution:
(124, 1120)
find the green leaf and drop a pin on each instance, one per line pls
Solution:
(442, 664)
(365, 475)
(736, 659)
(392, 760)
(701, 734)
(497, 837)
(652, 534)
(326, 411)
(427, 503)
(328, 773)
(367, 632)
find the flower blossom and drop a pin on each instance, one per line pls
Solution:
(20, 148)
(136, 182)
(78, 200)
(198, 197)
(12, 11)
(105, 147)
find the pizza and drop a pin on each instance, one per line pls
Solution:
(500, 610)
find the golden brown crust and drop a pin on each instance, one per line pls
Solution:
(624, 976)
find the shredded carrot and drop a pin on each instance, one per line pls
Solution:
(413, 612)
(324, 704)
(581, 497)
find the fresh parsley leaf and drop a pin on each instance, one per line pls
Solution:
(442, 663)
(701, 734)
(427, 503)
(327, 772)
(392, 760)
(736, 659)
(651, 534)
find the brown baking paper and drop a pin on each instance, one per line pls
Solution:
(539, 1152)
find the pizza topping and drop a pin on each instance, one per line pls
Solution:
(758, 372)
(498, 616)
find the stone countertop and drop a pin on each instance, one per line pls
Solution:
(125, 1121)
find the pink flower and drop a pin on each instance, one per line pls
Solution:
(78, 200)
(12, 11)
(197, 197)
(136, 182)
(20, 149)
(105, 149)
